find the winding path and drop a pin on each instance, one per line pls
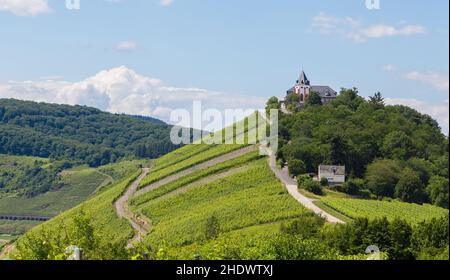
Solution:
(291, 185)
(123, 211)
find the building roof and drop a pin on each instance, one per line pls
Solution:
(303, 80)
(332, 169)
(324, 91)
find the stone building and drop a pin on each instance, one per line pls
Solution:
(303, 88)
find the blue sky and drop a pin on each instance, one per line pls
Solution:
(248, 50)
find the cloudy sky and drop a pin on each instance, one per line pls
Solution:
(152, 56)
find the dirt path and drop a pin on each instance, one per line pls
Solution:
(139, 225)
(6, 251)
(291, 185)
(212, 162)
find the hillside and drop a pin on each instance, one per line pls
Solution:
(216, 202)
(225, 201)
(78, 133)
(74, 186)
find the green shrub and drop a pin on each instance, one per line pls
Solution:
(302, 179)
(296, 167)
(313, 187)
(324, 182)
(353, 186)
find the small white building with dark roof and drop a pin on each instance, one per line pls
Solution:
(335, 174)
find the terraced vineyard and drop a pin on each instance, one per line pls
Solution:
(210, 153)
(248, 198)
(190, 178)
(355, 208)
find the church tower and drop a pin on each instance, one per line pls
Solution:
(303, 87)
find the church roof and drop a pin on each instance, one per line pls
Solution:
(323, 91)
(303, 80)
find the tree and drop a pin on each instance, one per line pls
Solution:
(339, 149)
(313, 187)
(397, 145)
(349, 98)
(296, 167)
(400, 233)
(409, 187)
(377, 100)
(272, 103)
(438, 191)
(313, 99)
(382, 177)
(292, 101)
(353, 186)
(423, 167)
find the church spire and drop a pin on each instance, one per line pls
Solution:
(303, 80)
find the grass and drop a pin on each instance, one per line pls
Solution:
(355, 208)
(16, 227)
(121, 169)
(179, 155)
(242, 200)
(332, 211)
(239, 161)
(78, 185)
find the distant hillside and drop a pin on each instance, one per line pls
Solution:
(78, 133)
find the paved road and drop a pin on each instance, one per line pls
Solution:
(291, 185)
(124, 211)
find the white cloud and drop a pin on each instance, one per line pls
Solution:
(356, 31)
(439, 111)
(121, 90)
(126, 46)
(389, 67)
(25, 7)
(438, 81)
(166, 2)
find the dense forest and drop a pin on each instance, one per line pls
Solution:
(78, 134)
(388, 151)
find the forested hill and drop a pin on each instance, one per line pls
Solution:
(390, 151)
(78, 133)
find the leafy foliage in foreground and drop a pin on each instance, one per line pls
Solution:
(53, 243)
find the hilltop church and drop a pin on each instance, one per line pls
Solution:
(304, 88)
